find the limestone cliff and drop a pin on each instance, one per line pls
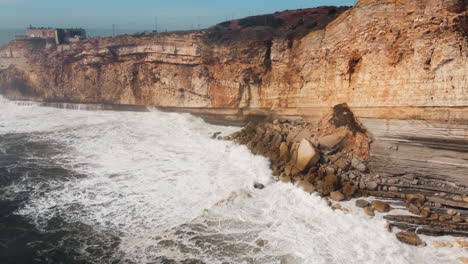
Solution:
(390, 60)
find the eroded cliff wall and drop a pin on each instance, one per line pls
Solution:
(392, 58)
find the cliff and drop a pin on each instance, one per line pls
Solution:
(391, 61)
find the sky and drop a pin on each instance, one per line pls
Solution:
(141, 14)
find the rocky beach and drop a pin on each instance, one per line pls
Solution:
(331, 158)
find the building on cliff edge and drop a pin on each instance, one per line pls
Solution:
(58, 35)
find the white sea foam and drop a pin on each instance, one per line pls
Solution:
(160, 182)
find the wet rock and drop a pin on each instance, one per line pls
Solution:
(362, 203)
(425, 213)
(327, 185)
(438, 244)
(259, 148)
(284, 178)
(413, 208)
(337, 196)
(369, 211)
(261, 242)
(415, 198)
(358, 165)
(215, 135)
(306, 186)
(380, 206)
(259, 186)
(349, 189)
(409, 238)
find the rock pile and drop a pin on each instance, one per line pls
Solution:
(329, 158)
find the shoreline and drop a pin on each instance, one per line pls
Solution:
(396, 200)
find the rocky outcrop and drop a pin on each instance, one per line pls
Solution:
(340, 170)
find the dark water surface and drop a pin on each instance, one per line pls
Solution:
(27, 168)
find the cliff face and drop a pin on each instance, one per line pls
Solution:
(387, 59)
(379, 54)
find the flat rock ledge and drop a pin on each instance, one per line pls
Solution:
(331, 158)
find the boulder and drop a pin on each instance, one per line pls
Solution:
(329, 171)
(259, 149)
(284, 151)
(358, 165)
(303, 134)
(215, 135)
(337, 196)
(349, 189)
(306, 155)
(327, 185)
(342, 163)
(259, 186)
(369, 211)
(306, 186)
(285, 178)
(260, 130)
(425, 213)
(362, 203)
(413, 209)
(372, 185)
(276, 141)
(380, 206)
(415, 198)
(332, 142)
(409, 238)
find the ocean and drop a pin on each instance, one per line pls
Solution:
(90, 186)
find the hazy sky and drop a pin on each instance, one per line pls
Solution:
(140, 14)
